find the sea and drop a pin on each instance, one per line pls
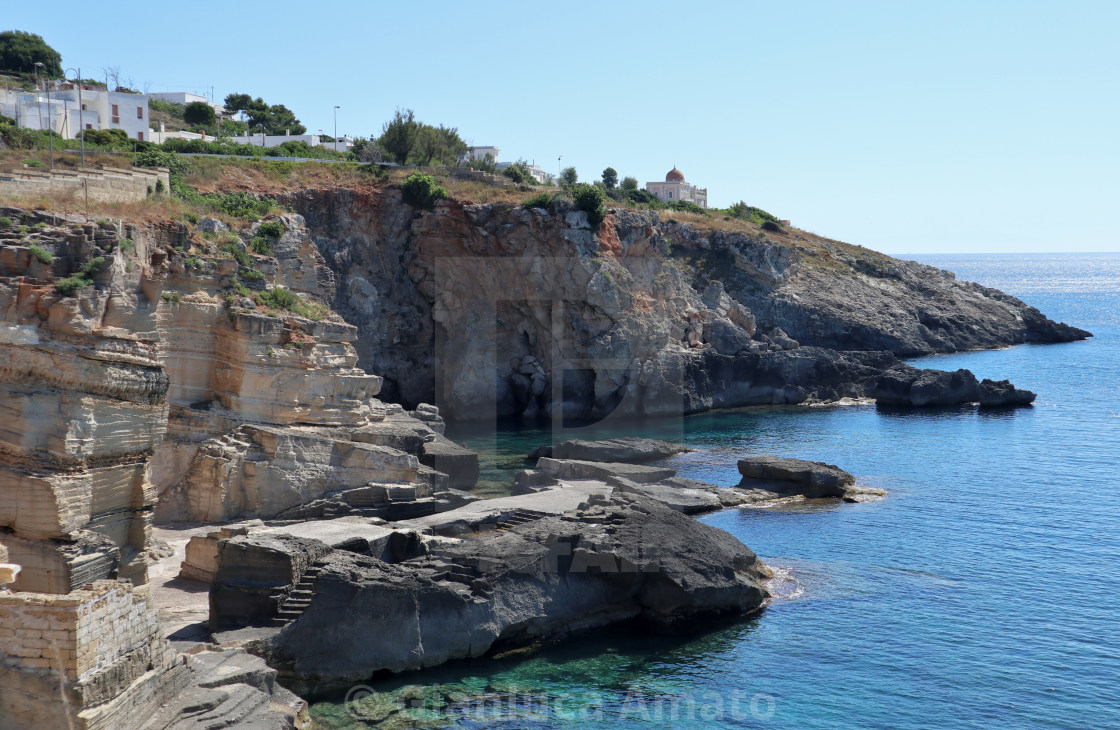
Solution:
(982, 592)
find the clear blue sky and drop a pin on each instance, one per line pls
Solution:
(945, 126)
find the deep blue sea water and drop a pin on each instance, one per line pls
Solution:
(983, 592)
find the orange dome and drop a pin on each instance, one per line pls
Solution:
(674, 174)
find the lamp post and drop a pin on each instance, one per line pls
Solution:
(50, 124)
(81, 116)
(336, 108)
(559, 171)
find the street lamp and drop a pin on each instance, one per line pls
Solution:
(559, 171)
(336, 108)
(81, 116)
(50, 124)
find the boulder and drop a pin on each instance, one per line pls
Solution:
(811, 479)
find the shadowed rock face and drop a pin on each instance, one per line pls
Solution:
(497, 311)
(626, 558)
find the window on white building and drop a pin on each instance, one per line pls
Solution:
(139, 112)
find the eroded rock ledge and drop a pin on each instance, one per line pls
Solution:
(613, 558)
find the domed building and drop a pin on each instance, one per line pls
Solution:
(675, 188)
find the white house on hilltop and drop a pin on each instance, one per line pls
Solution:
(67, 111)
(675, 188)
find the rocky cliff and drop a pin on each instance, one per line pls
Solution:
(499, 311)
(169, 371)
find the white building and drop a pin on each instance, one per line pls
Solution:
(538, 174)
(186, 97)
(479, 153)
(341, 144)
(675, 188)
(67, 111)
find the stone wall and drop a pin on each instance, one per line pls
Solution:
(93, 659)
(104, 185)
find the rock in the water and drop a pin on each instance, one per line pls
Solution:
(1001, 393)
(629, 450)
(810, 479)
(575, 469)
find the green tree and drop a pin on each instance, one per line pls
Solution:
(20, 51)
(271, 119)
(568, 177)
(237, 102)
(610, 178)
(519, 173)
(199, 112)
(437, 146)
(629, 183)
(398, 135)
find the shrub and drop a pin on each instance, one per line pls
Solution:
(199, 112)
(5, 222)
(519, 173)
(252, 275)
(275, 229)
(278, 298)
(241, 205)
(629, 183)
(171, 296)
(687, 206)
(192, 262)
(155, 157)
(771, 226)
(261, 245)
(42, 254)
(33, 163)
(592, 200)
(126, 244)
(233, 248)
(113, 138)
(540, 200)
(66, 287)
(758, 216)
(422, 191)
(192, 218)
(160, 189)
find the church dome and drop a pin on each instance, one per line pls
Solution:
(674, 175)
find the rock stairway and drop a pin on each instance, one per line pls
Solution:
(295, 603)
(460, 571)
(521, 517)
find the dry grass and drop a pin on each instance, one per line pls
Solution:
(272, 177)
(11, 160)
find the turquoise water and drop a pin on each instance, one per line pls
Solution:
(981, 593)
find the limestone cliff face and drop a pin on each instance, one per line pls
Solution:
(83, 405)
(159, 381)
(498, 311)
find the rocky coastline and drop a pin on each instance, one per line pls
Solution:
(282, 408)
